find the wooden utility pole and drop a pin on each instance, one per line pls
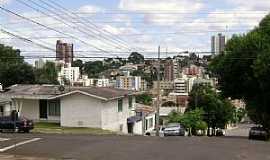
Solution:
(158, 93)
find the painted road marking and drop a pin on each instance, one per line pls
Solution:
(19, 144)
(4, 139)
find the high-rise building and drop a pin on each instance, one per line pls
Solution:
(39, 63)
(218, 44)
(168, 71)
(64, 52)
(129, 82)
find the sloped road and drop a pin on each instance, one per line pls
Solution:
(85, 147)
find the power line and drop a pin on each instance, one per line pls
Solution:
(86, 21)
(26, 40)
(49, 28)
(106, 37)
(67, 24)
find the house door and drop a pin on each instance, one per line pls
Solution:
(130, 127)
(43, 109)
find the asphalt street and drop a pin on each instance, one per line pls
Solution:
(85, 147)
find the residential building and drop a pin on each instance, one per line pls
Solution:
(176, 69)
(106, 108)
(169, 70)
(143, 121)
(68, 74)
(192, 70)
(39, 63)
(164, 85)
(210, 82)
(218, 44)
(64, 52)
(129, 82)
(181, 86)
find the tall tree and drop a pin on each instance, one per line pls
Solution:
(244, 73)
(47, 75)
(13, 69)
(217, 110)
(135, 58)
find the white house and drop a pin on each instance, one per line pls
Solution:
(106, 108)
(144, 120)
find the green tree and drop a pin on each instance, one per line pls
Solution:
(192, 120)
(93, 69)
(136, 58)
(13, 69)
(78, 63)
(47, 75)
(244, 72)
(218, 110)
(144, 99)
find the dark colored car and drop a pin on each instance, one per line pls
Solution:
(174, 129)
(258, 133)
(14, 123)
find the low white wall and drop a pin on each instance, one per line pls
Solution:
(112, 119)
(30, 109)
(78, 110)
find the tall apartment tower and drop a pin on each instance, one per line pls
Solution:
(64, 52)
(168, 71)
(218, 44)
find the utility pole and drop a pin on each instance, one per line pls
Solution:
(158, 93)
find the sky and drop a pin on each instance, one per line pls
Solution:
(118, 27)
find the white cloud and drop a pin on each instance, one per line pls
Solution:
(92, 9)
(251, 4)
(152, 8)
(4, 2)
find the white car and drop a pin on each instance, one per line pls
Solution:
(153, 132)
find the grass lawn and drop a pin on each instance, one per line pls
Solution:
(43, 127)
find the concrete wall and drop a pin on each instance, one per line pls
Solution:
(138, 128)
(147, 118)
(79, 110)
(112, 119)
(30, 109)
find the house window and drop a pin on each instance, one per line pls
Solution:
(120, 105)
(130, 103)
(146, 124)
(54, 108)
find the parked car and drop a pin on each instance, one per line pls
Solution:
(174, 129)
(14, 123)
(153, 132)
(258, 133)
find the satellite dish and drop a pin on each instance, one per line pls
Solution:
(61, 88)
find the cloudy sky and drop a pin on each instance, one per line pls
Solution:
(117, 27)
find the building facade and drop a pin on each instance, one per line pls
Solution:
(68, 74)
(105, 108)
(129, 82)
(218, 44)
(64, 52)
